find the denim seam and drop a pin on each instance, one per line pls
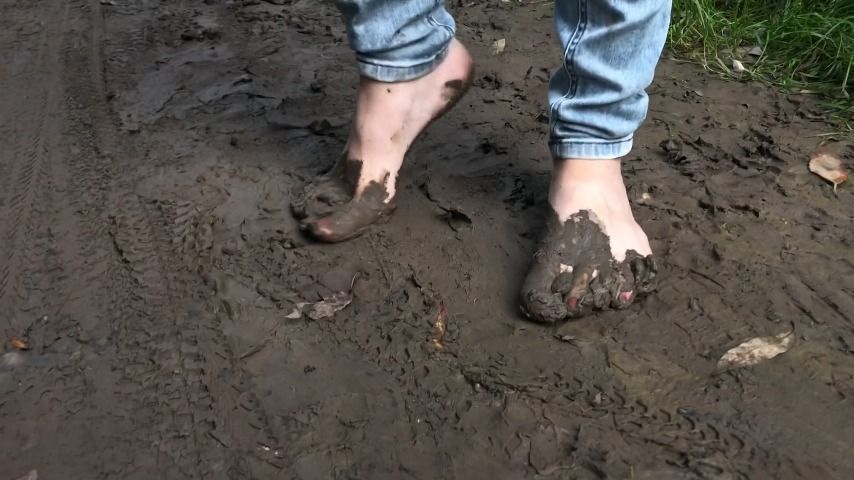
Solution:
(591, 150)
(432, 21)
(569, 59)
(588, 142)
(411, 72)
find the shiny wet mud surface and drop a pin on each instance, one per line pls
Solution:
(149, 260)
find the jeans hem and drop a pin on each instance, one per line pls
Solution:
(394, 74)
(591, 150)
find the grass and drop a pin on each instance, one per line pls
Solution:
(803, 45)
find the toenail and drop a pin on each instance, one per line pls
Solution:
(626, 297)
(323, 227)
(571, 303)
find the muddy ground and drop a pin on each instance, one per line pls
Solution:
(149, 261)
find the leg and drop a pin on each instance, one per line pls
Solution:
(595, 256)
(412, 70)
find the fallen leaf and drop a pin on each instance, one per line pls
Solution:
(325, 308)
(829, 167)
(565, 338)
(756, 51)
(19, 343)
(441, 327)
(756, 350)
(738, 67)
(32, 475)
(498, 46)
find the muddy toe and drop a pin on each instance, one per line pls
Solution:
(612, 285)
(319, 198)
(348, 221)
(329, 212)
(574, 273)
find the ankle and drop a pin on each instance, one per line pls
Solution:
(595, 185)
(578, 170)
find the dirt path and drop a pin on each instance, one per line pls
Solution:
(148, 257)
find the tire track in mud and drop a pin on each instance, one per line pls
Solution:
(162, 367)
(170, 341)
(104, 262)
(28, 177)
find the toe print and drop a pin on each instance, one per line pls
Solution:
(574, 273)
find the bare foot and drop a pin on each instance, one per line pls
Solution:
(360, 189)
(595, 256)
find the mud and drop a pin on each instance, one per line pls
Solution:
(329, 209)
(149, 259)
(574, 273)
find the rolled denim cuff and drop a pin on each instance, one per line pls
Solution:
(591, 149)
(392, 72)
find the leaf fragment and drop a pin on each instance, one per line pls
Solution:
(440, 327)
(32, 475)
(829, 167)
(756, 51)
(19, 343)
(325, 308)
(756, 350)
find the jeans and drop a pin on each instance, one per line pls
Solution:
(597, 96)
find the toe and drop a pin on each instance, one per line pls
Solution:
(347, 221)
(544, 307)
(644, 271)
(322, 229)
(623, 287)
(578, 297)
(332, 229)
(600, 292)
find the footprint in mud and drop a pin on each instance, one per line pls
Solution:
(574, 273)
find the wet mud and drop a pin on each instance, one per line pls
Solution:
(150, 262)
(574, 273)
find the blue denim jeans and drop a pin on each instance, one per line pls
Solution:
(597, 95)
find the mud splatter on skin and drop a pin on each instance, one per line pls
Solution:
(574, 272)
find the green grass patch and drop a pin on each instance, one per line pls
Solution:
(803, 45)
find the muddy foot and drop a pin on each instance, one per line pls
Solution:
(575, 273)
(328, 211)
(360, 190)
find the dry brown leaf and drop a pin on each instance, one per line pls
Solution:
(326, 308)
(829, 167)
(19, 344)
(756, 350)
(441, 327)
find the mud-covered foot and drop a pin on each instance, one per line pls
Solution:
(594, 255)
(360, 190)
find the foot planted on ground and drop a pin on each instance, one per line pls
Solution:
(594, 255)
(360, 190)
